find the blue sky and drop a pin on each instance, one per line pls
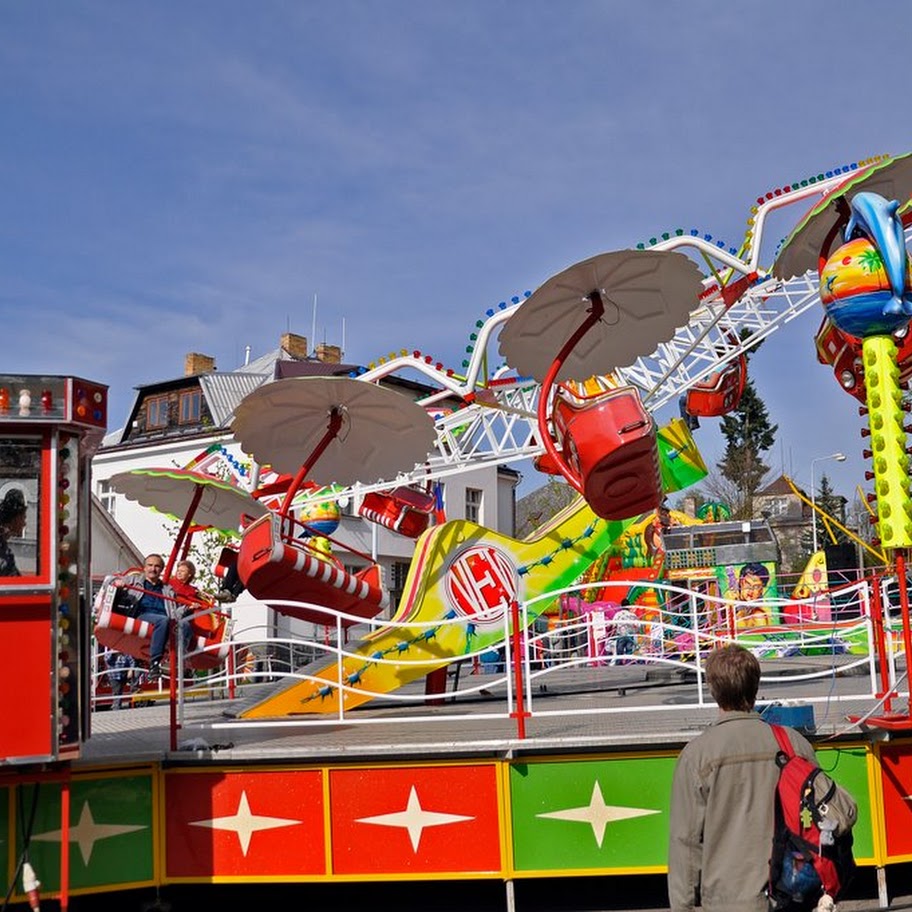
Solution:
(180, 177)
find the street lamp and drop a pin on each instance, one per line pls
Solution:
(839, 457)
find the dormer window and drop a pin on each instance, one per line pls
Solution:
(157, 412)
(190, 407)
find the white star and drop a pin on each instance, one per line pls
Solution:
(86, 833)
(414, 819)
(598, 814)
(244, 823)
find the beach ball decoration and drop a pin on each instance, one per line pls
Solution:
(855, 289)
(320, 518)
(866, 284)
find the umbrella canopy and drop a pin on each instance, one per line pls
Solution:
(172, 491)
(800, 251)
(382, 432)
(647, 295)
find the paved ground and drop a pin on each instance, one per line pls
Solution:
(588, 708)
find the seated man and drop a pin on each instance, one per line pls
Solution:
(155, 603)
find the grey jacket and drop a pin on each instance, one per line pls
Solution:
(722, 807)
(130, 595)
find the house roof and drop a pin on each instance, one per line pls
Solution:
(223, 392)
(777, 488)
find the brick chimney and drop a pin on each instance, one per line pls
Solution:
(195, 363)
(329, 354)
(295, 345)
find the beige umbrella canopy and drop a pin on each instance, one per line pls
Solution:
(172, 491)
(646, 294)
(380, 432)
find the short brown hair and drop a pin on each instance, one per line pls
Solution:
(733, 676)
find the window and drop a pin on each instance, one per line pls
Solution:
(157, 412)
(190, 407)
(107, 496)
(20, 501)
(777, 506)
(473, 504)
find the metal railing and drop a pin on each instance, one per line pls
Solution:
(522, 660)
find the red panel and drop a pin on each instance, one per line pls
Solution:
(896, 774)
(248, 824)
(415, 820)
(26, 678)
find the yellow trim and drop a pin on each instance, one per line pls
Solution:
(327, 822)
(876, 803)
(10, 835)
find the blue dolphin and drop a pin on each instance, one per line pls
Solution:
(876, 218)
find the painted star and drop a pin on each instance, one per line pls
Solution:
(414, 819)
(244, 823)
(87, 832)
(598, 814)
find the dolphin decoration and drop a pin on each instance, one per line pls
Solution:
(875, 218)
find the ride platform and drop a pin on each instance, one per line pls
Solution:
(469, 786)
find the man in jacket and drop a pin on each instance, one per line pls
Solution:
(723, 795)
(154, 601)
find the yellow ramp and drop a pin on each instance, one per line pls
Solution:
(459, 569)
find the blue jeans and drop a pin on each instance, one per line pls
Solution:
(160, 629)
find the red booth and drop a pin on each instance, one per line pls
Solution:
(49, 429)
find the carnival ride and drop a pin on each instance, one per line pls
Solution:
(199, 502)
(592, 356)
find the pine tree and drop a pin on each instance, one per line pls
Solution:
(748, 434)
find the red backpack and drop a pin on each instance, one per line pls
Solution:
(812, 837)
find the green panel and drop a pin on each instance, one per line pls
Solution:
(593, 814)
(111, 833)
(848, 766)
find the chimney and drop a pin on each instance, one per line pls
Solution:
(195, 363)
(295, 345)
(329, 354)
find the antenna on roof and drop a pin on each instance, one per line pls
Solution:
(342, 351)
(313, 326)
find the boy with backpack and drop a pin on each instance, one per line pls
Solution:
(723, 798)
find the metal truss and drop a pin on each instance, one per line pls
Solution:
(495, 422)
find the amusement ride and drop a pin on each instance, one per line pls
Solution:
(590, 360)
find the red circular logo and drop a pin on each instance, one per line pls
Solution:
(481, 585)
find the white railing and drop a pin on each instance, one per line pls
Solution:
(579, 650)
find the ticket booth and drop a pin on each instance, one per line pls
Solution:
(49, 429)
